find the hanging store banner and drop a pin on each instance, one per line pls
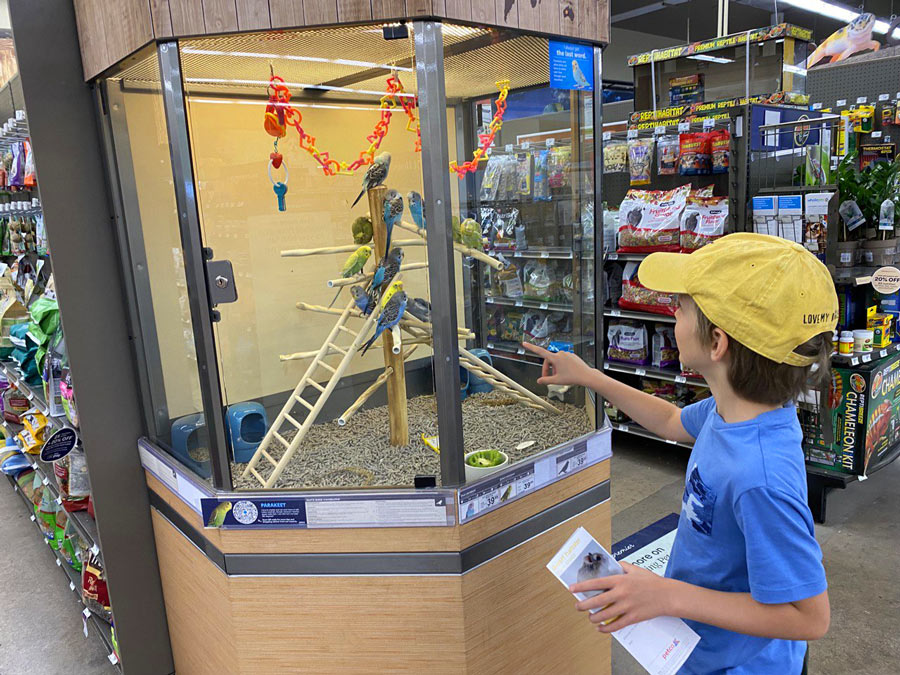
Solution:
(571, 66)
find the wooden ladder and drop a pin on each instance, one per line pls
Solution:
(503, 383)
(296, 406)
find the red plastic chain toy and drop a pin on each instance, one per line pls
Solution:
(280, 113)
(486, 139)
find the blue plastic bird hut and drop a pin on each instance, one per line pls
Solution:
(186, 436)
(247, 424)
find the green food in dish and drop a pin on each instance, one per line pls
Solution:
(485, 458)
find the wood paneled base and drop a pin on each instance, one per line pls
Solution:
(508, 615)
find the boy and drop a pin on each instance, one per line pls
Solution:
(756, 312)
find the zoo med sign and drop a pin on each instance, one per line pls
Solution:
(865, 415)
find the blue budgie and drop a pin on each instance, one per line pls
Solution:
(393, 211)
(416, 208)
(389, 317)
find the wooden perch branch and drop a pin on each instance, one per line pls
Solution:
(465, 250)
(408, 321)
(361, 278)
(349, 248)
(367, 394)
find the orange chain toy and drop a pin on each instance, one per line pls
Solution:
(280, 113)
(486, 139)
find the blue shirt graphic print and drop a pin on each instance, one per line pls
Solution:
(698, 502)
(745, 527)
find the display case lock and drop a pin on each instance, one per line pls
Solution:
(220, 277)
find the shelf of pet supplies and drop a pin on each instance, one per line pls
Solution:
(72, 576)
(530, 304)
(859, 358)
(637, 430)
(654, 373)
(14, 375)
(539, 253)
(859, 275)
(645, 316)
(102, 629)
(508, 348)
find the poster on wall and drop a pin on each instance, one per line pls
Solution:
(854, 38)
(571, 66)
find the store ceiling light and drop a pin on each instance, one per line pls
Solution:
(293, 57)
(837, 12)
(298, 85)
(712, 59)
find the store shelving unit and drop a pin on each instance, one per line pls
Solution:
(636, 429)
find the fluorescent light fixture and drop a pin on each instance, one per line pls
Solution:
(301, 85)
(837, 12)
(797, 70)
(293, 57)
(217, 101)
(712, 59)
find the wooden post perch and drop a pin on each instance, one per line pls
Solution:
(396, 381)
(465, 250)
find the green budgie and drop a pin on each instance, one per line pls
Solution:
(362, 230)
(353, 265)
(470, 234)
(217, 517)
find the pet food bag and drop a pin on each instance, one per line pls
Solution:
(665, 350)
(94, 592)
(703, 221)
(667, 149)
(541, 180)
(720, 142)
(628, 343)
(693, 154)
(615, 157)
(640, 158)
(649, 220)
(638, 297)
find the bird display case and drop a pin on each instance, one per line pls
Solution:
(328, 291)
(314, 252)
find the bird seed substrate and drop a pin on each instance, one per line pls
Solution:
(360, 454)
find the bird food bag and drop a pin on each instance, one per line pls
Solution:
(539, 281)
(94, 592)
(491, 179)
(560, 158)
(628, 343)
(720, 142)
(693, 154)
(665, 350)
(649, 220)
(541, 179)
(667, 148)
(523, 174)
(615, 157)
(638, 297)
(640, 158)
(703, 221)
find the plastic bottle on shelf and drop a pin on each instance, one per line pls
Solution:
(846, 343)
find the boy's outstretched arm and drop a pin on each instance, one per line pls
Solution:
(639, 595)
(659, 416)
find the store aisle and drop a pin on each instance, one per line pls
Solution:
(40, 621)
(859, 543)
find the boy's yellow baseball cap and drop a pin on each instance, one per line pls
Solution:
(768, 293)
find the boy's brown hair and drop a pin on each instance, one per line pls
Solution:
(756, 378)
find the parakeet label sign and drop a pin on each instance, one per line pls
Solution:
(571, 66)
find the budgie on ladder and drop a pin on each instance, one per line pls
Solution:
(393, 211)
(416, 208)
(390, 316)
(375, 174)
(353, 265)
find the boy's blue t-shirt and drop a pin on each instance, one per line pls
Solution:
(745, 526)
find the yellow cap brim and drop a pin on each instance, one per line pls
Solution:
(664, 272)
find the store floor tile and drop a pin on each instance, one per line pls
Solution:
(859, 543)
(41, 632)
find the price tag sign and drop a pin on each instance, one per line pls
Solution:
(550, 142)
(632, 134)
(84, 625)
(59, 445)
(866, 358)
(640, 371)
(526, 145)
(670, 441)
(816, 106)
(518, 303)
(607, 135)
(72, 586)
(841, 102)
(862, 99)
(113, 659)
(613, 256)
(876, 134)
(86, 613)
(659, 131)
(543, 305)
(615, 312)
(525, 483)
(883, 97)
(683, 127)
(488, 501)
(509, 147)
(95, 549)
(33, 518)
(882, 353)
(545, 254)
(46, 481)
(58, 562)
(708, 124)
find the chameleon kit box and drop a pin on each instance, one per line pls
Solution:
(863, 408)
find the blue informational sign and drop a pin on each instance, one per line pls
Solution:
(787, 138)
(279, 513)
(59, 445)
(571, 66)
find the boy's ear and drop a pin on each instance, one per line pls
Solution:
(719, 345)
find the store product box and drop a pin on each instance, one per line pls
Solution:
(864, 412)
(815, 228)
(881, 324)
(765, 215)
(790, 217)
